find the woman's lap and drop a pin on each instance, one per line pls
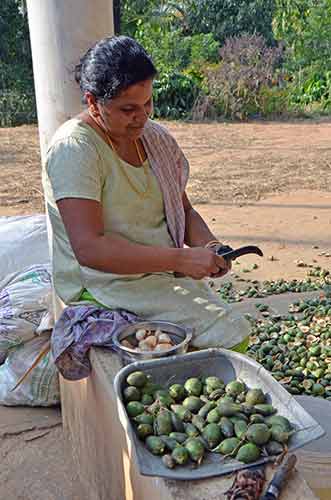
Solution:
(183, 301)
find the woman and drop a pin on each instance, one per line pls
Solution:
(114, 184)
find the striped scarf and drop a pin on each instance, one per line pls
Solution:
(171, 169)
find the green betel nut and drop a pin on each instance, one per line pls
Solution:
(134, 408)
(155, 445)
(258, 434)
(227, 427)
(240, 428)
(213, 416)
(213, 383)
(255, 397)
(144, 418)
(279, 420)
(180, 437)
(177, 392)
(183, 413)
(163, 423)
(193, 386)
(235, 388)
(131, 394)
(248, 453)
(144, 430)
(180, 455)
(137, 379)
(227, 446)
(193, 404)
(212, 434)
(195, 449)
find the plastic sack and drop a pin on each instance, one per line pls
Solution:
(25, 305)
(40, 387)
(23, 243)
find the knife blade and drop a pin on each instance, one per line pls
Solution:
(229, 253)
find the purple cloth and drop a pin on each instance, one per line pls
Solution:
(79, 328)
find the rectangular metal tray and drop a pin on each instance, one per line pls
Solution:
(227, 365)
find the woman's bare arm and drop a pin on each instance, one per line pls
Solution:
(83, 221)
(197, 233)
(113, 253)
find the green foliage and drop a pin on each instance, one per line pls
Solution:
(273, 101)
(184, 38)
(17, 102)
(180, 61)
(134, 13)
(311, 85)
(305, 28)
(175, 94)
(227, 18)
(239, 86)
(170, 49)
(17, 108)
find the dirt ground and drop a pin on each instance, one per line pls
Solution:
(254, 183)
(230, 163)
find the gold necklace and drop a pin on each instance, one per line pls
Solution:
(145, 165)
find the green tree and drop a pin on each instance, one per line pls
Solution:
(305, 27)
(225, 18)
(17, 99)
(135, 12)
(15, 52)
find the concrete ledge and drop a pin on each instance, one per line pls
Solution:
(103, 457)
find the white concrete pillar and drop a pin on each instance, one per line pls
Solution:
(61, 31)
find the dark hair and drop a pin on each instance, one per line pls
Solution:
(112, 65)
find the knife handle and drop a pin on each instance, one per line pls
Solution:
(280, 476)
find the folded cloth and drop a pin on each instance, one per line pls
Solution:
(79, 328)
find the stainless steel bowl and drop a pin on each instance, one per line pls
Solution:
(179, 335)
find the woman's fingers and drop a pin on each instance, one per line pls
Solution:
(224, 266)
(222, 263)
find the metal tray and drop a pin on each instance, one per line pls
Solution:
(226, 365)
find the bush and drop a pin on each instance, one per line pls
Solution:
(174, 95)
(237, 86)
(309, 86)
(228, 18)
(17, 108)
(180, 61)
(305, 28)
(17, 101)
(172, 50)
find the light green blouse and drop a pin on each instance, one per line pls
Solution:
(81, 165)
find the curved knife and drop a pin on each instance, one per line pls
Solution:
(229, 253)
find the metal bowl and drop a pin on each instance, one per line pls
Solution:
(179, 335)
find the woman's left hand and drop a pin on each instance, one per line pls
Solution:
(227, 263)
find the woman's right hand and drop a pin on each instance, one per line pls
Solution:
(198, 263)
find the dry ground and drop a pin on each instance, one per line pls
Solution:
(264, 183)
(229, 162)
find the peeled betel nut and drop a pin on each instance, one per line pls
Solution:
(158, 332)
(126, 343)
(141, 334)
(163, 347)
(164, 339)
(145, 346)
(151, 341)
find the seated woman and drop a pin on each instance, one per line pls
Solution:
(114, 183)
